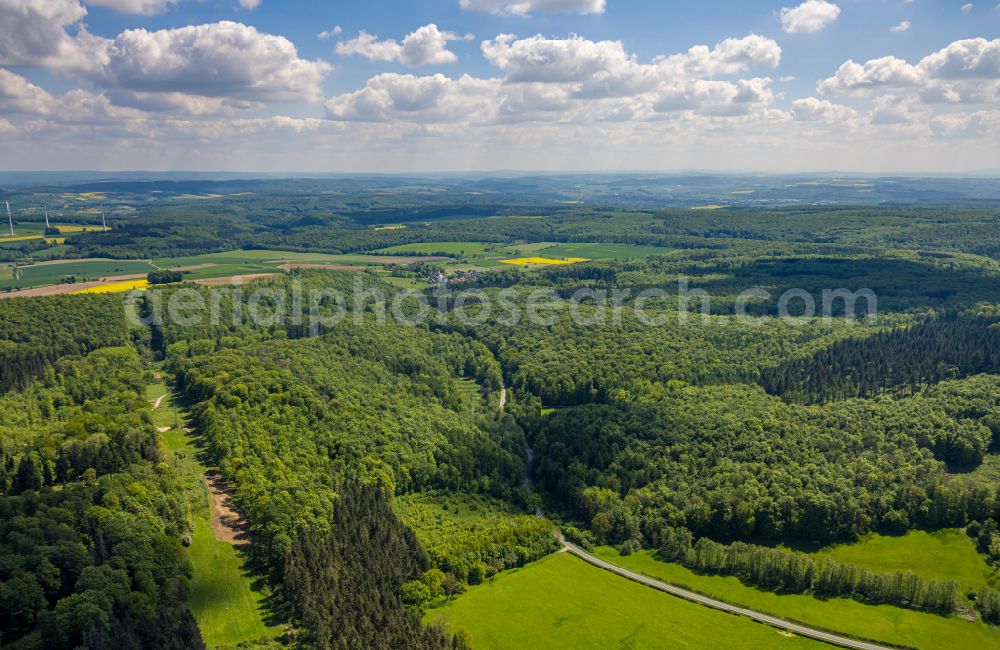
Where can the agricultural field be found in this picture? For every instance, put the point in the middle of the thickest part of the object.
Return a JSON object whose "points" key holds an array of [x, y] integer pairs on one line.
{"points": [[82, 270], [885, 623], [544, 261], [561, 601], [117, 287]]}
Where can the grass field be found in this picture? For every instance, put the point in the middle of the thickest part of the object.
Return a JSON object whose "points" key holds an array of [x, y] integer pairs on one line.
{"points": [[228, 609], [562, 602], [878, 622], [940, 555], [603, 251], [467, 249]]}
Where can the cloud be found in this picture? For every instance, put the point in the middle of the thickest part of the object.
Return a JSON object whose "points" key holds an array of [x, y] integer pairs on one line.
{"points": [[556, 60], [572, 80], [892, 110], [604, 68], [134, 6], [526, 7], [901, 27], [811, 109], [966, 125], [887, 71], [250, 5], [224, 59], [330, 33], [426, 46], [437, 98], [175, 103], [810, 16], [716, 98], [967, 8], [973, 58], [18, 95], [33, 33], [965, 71], [730, 56]]}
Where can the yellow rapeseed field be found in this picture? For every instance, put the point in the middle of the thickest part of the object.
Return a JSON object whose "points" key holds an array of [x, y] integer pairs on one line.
{"points": [[116, 287], [19, 238], [524, 261]]}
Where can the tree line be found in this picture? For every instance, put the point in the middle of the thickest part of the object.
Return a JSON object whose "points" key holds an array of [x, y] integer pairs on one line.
{"points": [[787, 571]]}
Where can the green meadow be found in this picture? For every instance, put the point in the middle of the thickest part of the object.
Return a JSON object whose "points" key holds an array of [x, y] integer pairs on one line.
{"points": [[941, 555], [222, 595], [883, 623], [561, 601]]}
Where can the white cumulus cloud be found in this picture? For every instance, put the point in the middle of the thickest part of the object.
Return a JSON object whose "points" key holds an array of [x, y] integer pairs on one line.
{"points": [[810, 16], [427, 45], [901, 27], [811, 109], [33, 33], [134, 6], [965, 71], [526, 7], [18, 95], [330, 33], [887, 71], [437, 98], [224, 59], [972, 58]]}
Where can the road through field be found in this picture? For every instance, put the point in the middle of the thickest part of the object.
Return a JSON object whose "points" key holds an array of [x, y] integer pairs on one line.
{"points": [[795, 628]]}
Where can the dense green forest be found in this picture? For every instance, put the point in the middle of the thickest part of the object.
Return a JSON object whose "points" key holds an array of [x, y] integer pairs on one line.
{"points": [[730, 462], [383, 468], [902, 359], [91, 519], [35, 333]]}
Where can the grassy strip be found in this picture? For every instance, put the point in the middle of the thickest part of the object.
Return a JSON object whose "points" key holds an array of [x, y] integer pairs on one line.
{"points": [[223, 598]]}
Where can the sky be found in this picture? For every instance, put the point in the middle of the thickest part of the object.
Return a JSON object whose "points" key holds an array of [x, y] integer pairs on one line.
{"points": [[882, 86]]}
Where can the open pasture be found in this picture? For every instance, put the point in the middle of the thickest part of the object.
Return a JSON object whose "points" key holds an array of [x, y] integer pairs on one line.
{"points": [[561, 601]]}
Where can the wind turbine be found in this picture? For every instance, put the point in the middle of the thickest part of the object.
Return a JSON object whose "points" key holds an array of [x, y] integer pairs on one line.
{"points": [[104, 222], [10, 219], [46, 206]]}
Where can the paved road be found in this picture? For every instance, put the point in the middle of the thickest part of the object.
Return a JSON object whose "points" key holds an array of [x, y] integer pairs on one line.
{"points": [[801, 630]]}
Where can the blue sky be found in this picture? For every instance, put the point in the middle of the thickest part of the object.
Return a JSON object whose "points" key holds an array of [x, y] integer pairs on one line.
{"points": [[852, 85]]}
